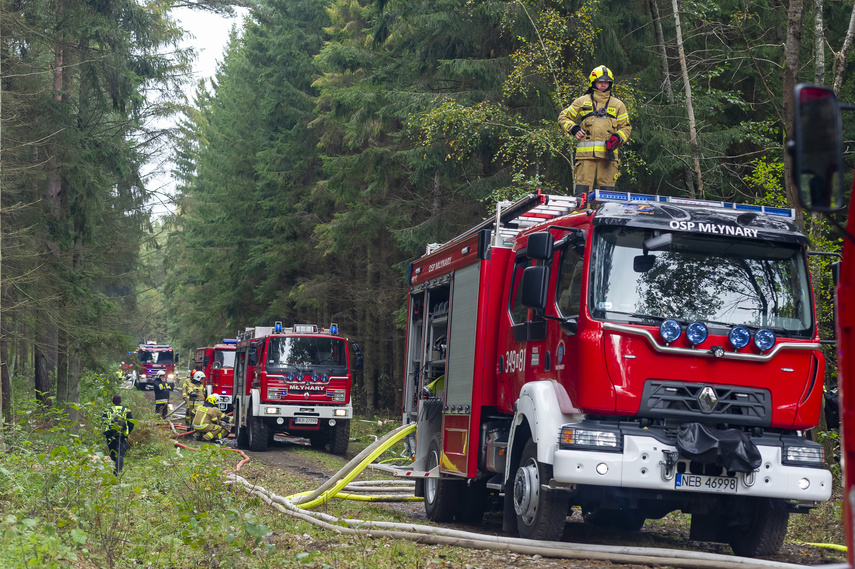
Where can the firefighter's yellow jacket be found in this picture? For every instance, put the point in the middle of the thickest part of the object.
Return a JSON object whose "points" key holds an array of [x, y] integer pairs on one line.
{"points": [[208, 417], [601, 115], [189, 387]]}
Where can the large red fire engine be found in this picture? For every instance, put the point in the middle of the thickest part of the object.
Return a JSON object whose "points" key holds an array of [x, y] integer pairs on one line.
{"points": [[297, 381], [218, 364], [633, 355], [152, 358], [818, 171]]}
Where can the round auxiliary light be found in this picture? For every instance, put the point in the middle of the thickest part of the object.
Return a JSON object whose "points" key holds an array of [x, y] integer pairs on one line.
{"points": [[764, 339], [670, 330], [739, 337], [314, 378], [696, 333]]}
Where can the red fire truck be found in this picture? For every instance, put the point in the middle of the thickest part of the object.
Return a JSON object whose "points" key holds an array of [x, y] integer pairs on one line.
{"points": [[296, 381], [817, 149], [152, 358], [631, 355], [218, 364]]}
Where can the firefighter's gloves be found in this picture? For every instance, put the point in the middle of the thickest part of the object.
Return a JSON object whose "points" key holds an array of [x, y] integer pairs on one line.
{"points": [[613, 142], [577, 131]]}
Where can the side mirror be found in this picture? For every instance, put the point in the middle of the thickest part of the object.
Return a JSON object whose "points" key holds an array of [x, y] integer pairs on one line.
{"points": [[643, 263], [535, 281], [253, 357], [539, 246], [176, 358], [358, 357], [817, 148]]}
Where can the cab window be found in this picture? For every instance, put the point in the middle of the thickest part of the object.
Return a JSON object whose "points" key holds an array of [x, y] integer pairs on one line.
{"points": [[568, 292]]}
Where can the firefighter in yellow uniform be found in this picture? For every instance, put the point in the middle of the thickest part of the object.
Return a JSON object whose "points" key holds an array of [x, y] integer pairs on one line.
{"points": [[600, 124], [210, 422], [193, 391]]}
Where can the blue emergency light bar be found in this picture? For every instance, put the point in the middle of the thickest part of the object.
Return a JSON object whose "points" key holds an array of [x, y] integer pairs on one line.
{"points": [[229, 341], [600, 196]]}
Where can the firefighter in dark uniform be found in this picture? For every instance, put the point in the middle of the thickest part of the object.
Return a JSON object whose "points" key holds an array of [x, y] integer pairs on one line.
{"points": [[210, 423], [118, 424], [161, 394], [600, 124]]}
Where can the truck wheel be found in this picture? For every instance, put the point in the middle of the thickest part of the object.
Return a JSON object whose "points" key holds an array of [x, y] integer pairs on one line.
{"points": [[441, 495], [242, 436], [539, 515], [763, 531], [258, 435], [340, 437]]}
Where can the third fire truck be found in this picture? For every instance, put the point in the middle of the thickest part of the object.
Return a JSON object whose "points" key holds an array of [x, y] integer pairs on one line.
{"points": [[218, 364], [631, 356], [152, 358], [296, 381]]}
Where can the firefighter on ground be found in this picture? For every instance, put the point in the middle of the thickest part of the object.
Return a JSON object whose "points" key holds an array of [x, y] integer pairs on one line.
{"points": [[209, 422], [118, 424], [600, 123], [193, 392], [161, 394]]}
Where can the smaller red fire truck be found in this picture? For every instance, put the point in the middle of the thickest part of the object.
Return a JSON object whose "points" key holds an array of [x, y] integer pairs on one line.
{"points": [[818, 171], [296, 381], [152, 358], [218, 364]]}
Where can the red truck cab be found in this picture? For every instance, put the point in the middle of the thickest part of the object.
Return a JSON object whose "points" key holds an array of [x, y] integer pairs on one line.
{"points": [[218, 363]]}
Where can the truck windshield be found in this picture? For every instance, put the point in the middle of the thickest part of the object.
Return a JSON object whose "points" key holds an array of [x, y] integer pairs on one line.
{"points": [[301, 352], [720, 281], [151, 357], [226, 358]]}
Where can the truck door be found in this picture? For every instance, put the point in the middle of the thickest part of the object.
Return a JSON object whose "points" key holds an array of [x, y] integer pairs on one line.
{"points": [[563, 342], [521, 360]]}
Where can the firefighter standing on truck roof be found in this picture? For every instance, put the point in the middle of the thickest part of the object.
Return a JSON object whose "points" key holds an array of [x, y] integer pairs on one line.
{"points": [[193, 392], [209, 421], [603, 125], [161, 394]]}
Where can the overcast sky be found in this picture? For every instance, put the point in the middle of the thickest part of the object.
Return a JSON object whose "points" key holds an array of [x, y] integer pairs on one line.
{"points": [[209, 34]]}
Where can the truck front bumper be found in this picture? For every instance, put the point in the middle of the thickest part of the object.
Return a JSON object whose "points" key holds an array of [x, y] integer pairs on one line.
{"points": [[644, 464], [293, 411]]}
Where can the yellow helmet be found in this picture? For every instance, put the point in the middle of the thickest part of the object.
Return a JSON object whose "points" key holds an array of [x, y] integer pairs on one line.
{"points": [[602, 72], [212, 399]]}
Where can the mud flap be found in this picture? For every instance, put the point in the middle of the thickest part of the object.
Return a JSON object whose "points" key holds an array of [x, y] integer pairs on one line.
{"points": [[731, 449]]}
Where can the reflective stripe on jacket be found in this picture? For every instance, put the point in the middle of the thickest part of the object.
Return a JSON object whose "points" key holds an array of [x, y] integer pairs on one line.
{"points": [[206, 417]]}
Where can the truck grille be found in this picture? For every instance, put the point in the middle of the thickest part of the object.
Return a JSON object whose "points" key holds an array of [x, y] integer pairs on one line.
{"points": [[706, 402]]}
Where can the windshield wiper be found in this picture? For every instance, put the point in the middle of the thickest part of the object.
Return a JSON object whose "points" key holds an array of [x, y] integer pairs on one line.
{"points": [[644, 318]]}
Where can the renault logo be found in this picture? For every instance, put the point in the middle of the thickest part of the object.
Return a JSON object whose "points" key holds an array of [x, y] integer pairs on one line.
{"points": [[707, 399]]}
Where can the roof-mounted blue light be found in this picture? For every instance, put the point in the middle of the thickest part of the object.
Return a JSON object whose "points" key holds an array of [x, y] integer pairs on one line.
{"points": [[599, 196], [278, 326], [334, 329], [739, 337], [229, 341], [764, 339], [696, 333], [670, 330]]}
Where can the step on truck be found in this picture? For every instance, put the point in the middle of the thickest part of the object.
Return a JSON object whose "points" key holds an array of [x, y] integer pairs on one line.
{"points": [[218, 364], [152, 358], [296, 381], [630, 355]]}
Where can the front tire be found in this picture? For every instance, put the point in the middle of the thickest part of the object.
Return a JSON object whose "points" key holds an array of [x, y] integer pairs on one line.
{"points": [[241, 435], [441, 495], [259, 436], [340, 438], [539, 515], [764, 530]]}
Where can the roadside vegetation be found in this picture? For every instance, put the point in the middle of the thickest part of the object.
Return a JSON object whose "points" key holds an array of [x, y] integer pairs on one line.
{"points": [[63, 507]]}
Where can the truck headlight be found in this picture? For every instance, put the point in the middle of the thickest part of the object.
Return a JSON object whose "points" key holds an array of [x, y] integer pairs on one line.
{"points": [[589, 439], [804, 455]]}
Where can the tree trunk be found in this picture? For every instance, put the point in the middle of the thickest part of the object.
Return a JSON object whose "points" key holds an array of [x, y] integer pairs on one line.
{"points": [[42, 380], [693, 134], [795, 17], [663, 55], [62, 370], [819, 43], [841, 56], [5, 380]]}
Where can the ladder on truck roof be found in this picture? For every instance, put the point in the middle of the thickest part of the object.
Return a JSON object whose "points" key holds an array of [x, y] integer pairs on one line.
{"points": [[513, 217]]}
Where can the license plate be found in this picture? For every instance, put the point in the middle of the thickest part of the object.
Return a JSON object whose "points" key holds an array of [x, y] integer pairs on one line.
{"points": [[305, 421], [700, 483]]}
